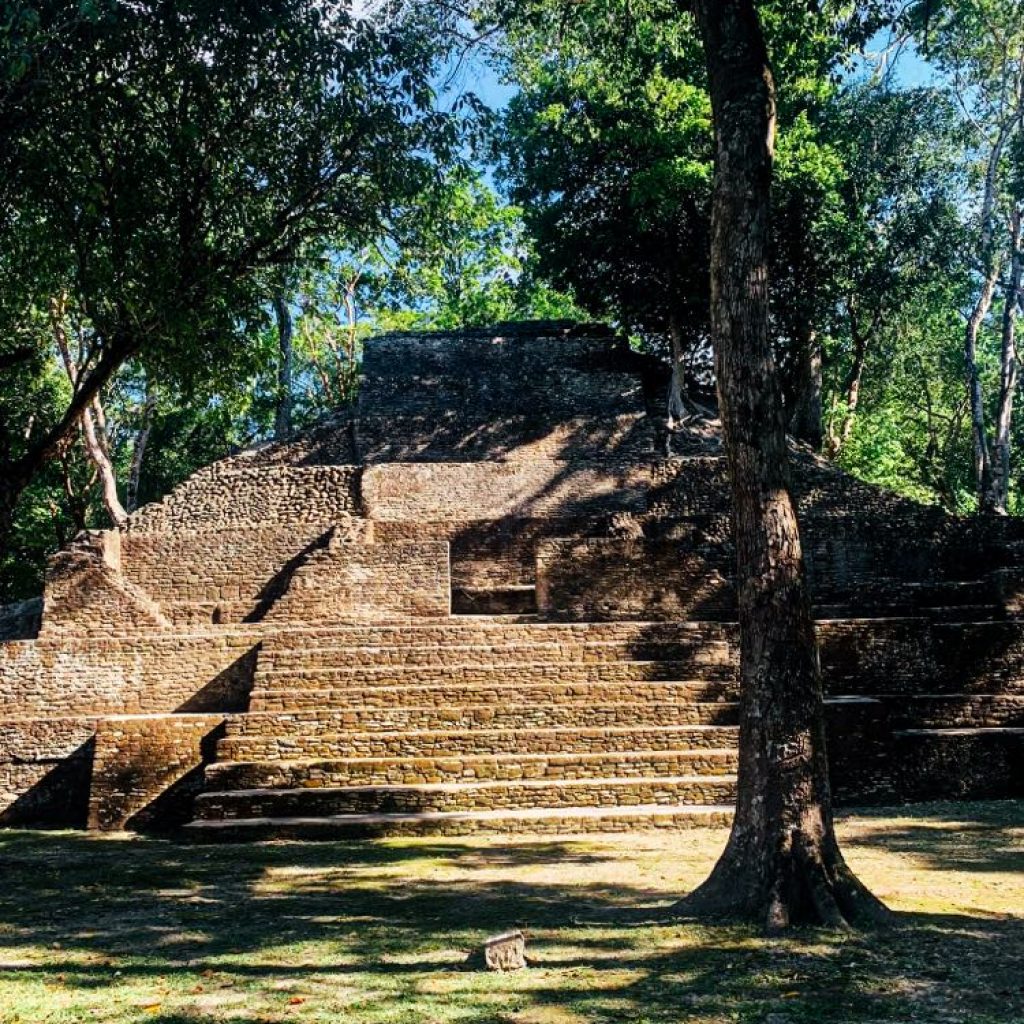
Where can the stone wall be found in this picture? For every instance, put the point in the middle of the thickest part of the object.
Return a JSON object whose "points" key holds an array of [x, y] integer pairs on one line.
{"points": [[596, 579], [489, 553], [495, 490], [228, 494], [55, 694], [222, 575], [45, 765], [86, 591], [126, 675], [445, 436], [368, 582], [147, 769]]}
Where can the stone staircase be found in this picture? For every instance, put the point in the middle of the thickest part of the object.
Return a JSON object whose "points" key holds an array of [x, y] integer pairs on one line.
{"points": [[482, 724]]}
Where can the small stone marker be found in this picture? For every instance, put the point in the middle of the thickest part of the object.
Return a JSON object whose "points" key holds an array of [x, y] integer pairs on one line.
{"points": [[505, 952]]}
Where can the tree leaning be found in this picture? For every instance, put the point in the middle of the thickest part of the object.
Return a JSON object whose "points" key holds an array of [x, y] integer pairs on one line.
{"points": [[782, 864]]}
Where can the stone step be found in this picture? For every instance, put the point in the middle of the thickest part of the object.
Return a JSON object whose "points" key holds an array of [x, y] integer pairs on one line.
{"points": [[697, 653], [484, 676], [849, 611], [482, 716], [444, 743], [290, 698], [504, 767], [459, 629], [506, 600], [937, 711], [987, 612], [534, 821], [448, 797], [960, 763]]}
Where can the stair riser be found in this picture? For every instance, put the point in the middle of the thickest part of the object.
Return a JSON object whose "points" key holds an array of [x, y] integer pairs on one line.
{"points": [[335, 829], [473, 631], [441, 744], [497, 716], [452, 696], [959, 713], [497, 654], [406, 771], [524, 674], [960, 766], [317, 803]]}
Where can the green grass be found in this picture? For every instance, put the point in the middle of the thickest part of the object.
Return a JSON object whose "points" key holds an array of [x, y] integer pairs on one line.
{"points": [[133, 929]]}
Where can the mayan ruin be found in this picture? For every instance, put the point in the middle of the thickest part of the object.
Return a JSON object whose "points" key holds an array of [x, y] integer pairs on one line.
{"points": [[489, 601]]}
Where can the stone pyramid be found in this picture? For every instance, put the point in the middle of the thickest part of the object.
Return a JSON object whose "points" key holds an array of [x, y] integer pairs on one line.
{"points": [[487, 599]]}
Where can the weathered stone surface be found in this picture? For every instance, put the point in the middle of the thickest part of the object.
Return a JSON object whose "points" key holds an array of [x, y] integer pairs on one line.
{"points": [[505, 952], [272, 648]]}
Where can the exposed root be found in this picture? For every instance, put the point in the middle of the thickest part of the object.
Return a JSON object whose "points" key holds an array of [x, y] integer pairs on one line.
{"points": [[807, 886]]}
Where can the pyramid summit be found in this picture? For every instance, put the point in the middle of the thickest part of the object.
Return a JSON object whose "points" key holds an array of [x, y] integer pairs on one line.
{"points": [[487, 599]]}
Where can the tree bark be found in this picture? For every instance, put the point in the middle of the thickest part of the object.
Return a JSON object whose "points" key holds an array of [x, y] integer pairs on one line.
{"points": [[979, 433], [782, 864], [283, 418], [998, 499], [17, 474]]}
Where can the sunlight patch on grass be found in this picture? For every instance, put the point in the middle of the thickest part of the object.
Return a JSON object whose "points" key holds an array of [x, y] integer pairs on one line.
{"points": [[120, 930]]}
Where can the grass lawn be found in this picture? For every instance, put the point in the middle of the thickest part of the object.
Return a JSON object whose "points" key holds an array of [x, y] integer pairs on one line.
{"points": [[137, 929]]}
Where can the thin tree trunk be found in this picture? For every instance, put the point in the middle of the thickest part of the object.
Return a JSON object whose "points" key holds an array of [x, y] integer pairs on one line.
{"points": [[139, 449], [17, 474], [92, 420], [283, 419], [782, 864], [677, 385], [853, 380], [979, 434], [805, 421], [1000, 486]]}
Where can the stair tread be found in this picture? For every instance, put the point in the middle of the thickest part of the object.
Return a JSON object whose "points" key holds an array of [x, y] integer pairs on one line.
{"points": [[512, 646], [360, 709], [497, 814], [496, 758], [414, 670], [274, 671], [976, 730], [455, 787], [543, 730]]}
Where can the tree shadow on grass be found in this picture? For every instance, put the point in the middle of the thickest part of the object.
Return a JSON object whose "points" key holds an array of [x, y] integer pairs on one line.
{"points": [[966, 837], [396, 920]]}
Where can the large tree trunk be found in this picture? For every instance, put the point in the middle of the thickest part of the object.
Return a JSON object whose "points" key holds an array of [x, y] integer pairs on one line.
{"points": [[1000, 483], [782, 864], [283, 419]]}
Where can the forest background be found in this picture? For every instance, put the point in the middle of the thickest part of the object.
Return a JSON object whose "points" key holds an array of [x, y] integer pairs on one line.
{"points": [[199, 229]]}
